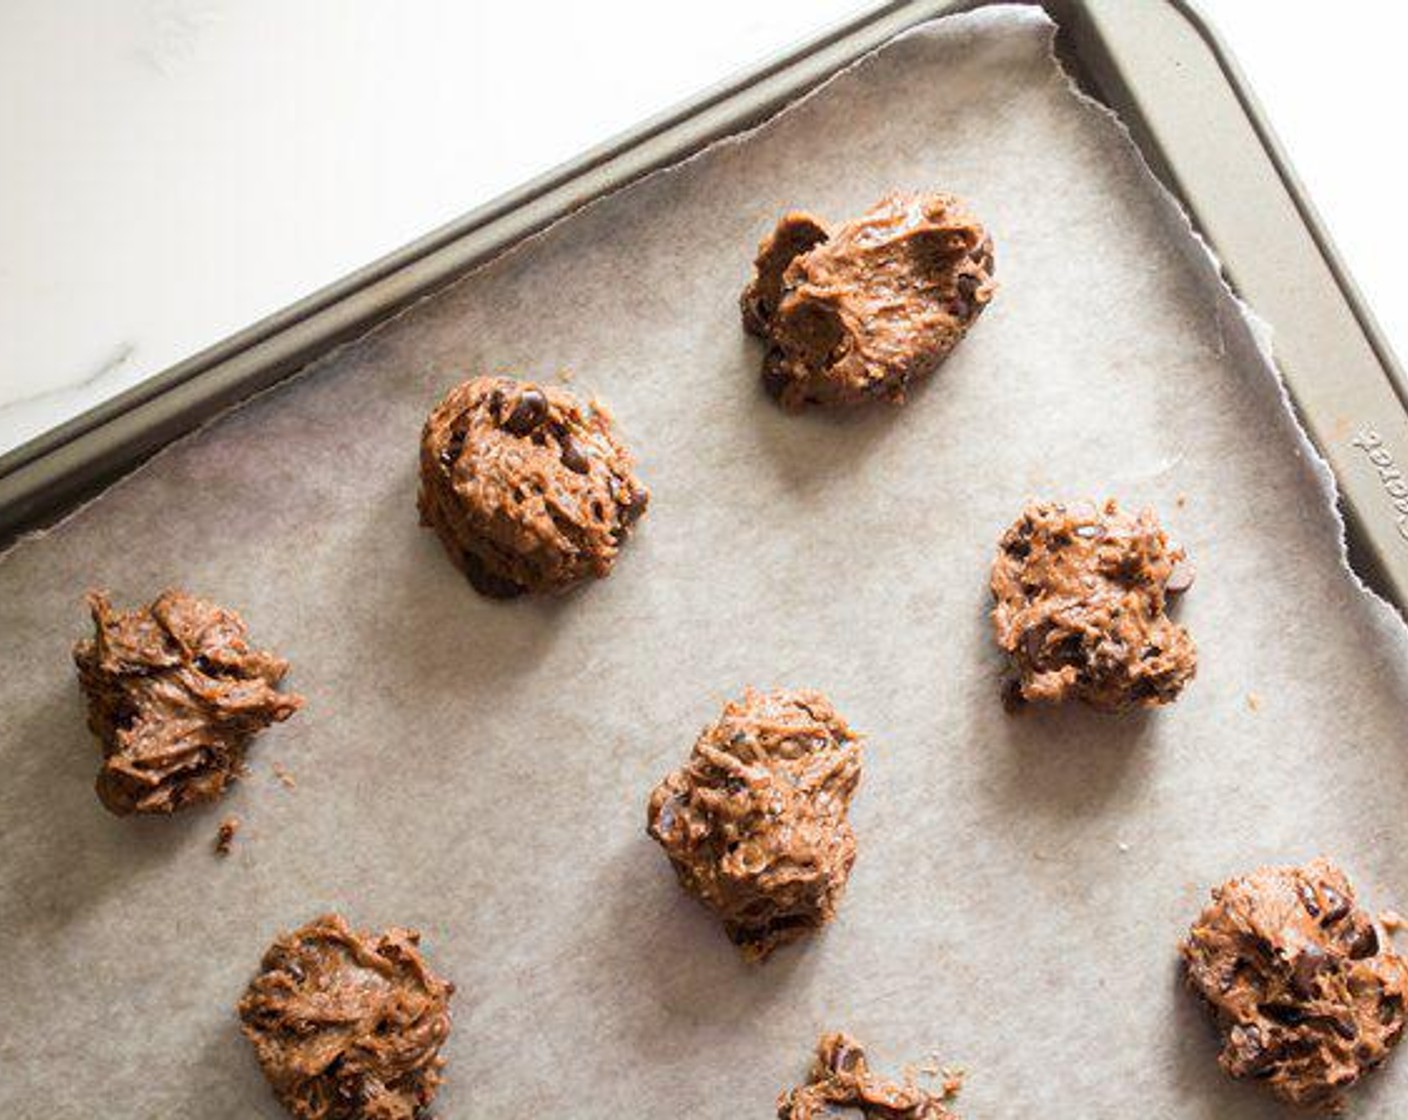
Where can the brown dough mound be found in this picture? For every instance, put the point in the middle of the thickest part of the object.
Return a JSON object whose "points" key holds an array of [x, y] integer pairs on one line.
{"points": [[861, 313], [1305, 989], [755, 823], [527, 489], [175, 694], [347, 1025], [1080, 599], [841, 1082]]}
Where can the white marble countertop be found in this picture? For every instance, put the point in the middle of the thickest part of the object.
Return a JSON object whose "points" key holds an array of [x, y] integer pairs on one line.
{"points": [[172, 170]]}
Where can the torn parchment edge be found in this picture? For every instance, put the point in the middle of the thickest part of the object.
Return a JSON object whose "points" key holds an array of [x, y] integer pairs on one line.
{"points": [[1237, 325], [1242, 332]]}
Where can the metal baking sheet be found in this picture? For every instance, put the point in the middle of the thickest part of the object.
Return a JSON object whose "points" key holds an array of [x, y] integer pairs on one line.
{"points": [[480, 770]]}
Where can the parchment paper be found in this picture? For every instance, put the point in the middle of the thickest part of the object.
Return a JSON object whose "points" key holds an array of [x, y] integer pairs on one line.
{"points": [[480, 770]]}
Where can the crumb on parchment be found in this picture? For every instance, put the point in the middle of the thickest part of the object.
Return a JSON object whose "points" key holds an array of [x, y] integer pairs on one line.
{"points": [[284, 777], [1254, 701], [841, 1081], [225, 835], [950, 1076]]}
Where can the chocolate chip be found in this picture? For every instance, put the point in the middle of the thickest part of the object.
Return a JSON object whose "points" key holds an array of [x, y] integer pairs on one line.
{"points": [[1145, 688], [1180, 579], [530, 411], [1345, 1028], [1363, 942], [450, 453], [1287, 1014], [1034, 641], [846, 1058], [961, 305], [573, 457], [1390, 1010], [633, 509], [1338, 905], [1309, 900], [1306, 970], [489, 583], [1070, 650], [774, 380]]}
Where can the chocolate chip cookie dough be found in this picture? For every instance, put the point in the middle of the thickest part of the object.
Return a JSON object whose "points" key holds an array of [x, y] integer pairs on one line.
{"points": [[842, 1085], [755, 823], [527, 489], [1302, 983], [1081, 594], [175, 694], [348, 1025], [862, 312]]}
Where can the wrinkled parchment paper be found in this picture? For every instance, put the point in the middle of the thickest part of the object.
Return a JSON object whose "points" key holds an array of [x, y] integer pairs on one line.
{"points": [[480, 769]]}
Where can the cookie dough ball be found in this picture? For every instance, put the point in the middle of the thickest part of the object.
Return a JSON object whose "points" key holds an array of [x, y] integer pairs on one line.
{"points": [[175, 694], [841, 1083], [1303, 985], [348, 1025], [755, 823], [1080, 598], [862, 312], [527, 489]]}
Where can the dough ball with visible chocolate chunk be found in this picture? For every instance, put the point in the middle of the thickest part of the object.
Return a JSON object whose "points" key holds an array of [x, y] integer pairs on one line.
{"points": [[348, 1025], [1304, 986], [175, 694], [862, 312], [1081, 593], [527, 489], [756, 824], [842, 1085]]}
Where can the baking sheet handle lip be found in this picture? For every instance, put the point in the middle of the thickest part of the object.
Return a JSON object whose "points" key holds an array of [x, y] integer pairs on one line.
{"points": [[338, 291], [1256, 115]]}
